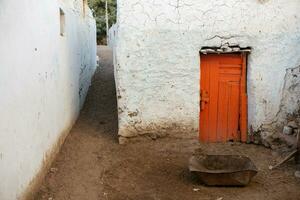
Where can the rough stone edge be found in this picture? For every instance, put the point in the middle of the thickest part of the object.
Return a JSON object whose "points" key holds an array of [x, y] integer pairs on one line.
{"points": [[273, 130], [34, 185]]}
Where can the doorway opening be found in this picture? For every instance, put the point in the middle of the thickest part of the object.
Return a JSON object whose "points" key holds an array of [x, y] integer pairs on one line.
{"points": [[223, 94]]}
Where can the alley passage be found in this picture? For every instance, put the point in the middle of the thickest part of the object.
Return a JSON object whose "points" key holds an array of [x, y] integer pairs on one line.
{"points": [[93, 166]]}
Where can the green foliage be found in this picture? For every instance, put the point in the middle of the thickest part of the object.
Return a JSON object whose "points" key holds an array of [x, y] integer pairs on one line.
{"points": [[98, 6]]}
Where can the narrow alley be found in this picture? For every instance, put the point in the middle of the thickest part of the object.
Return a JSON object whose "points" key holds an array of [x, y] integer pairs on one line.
{"points": [[93, 166], [149, 100]]}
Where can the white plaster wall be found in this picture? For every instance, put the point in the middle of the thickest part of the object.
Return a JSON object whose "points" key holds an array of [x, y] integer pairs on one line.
{"points": [[290, 103], [158, 45], [112, 36], [44, 78]]}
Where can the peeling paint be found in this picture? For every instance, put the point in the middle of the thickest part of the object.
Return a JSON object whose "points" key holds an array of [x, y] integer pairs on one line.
{"points": [[290, 99]]}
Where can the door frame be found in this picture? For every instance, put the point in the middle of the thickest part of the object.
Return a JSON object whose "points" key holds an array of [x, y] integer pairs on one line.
{"points": [[243, 113]]}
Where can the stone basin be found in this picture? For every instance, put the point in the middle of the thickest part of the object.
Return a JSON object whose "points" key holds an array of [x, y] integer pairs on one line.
{"points": [[223, 170]]}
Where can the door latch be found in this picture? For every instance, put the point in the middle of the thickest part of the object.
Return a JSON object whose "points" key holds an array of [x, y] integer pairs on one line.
{"points": [[204, 99]]}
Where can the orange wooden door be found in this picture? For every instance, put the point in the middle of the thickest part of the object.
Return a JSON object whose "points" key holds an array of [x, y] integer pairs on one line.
{"points": [[223, 107]]}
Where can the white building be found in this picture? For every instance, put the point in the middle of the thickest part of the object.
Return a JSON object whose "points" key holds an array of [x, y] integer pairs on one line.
{"points": [[47, 59], [158, 66]]}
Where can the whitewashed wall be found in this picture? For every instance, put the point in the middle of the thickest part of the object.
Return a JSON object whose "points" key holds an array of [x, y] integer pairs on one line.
{"points": [[157, 58], [112, 35], [44, 78]]}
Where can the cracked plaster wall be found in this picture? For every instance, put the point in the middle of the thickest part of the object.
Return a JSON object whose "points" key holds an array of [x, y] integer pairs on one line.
{"points": [[290, 101], [157, 57]]}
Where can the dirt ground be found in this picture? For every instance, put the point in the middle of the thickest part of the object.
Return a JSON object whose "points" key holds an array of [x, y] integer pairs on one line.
{"points": [[93, 166]]}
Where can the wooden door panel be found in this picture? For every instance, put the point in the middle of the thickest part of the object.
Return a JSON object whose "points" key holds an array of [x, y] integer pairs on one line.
{"points": [[233, 111], [204, 107], [213, 100], [223, 111], [221, 83]]}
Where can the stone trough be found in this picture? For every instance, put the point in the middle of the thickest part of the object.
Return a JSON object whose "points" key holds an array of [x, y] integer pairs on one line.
{"points": [[223, 170]]}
